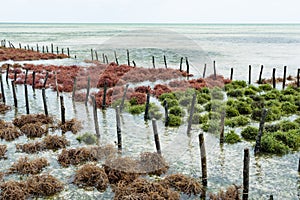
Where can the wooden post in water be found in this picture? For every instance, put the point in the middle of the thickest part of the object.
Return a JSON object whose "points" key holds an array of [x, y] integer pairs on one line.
{"points": [[68, 52], [33, 80], [260, 131], [249, 80], [128, 60], [187, 65], [26, 99], [156, 137], [119, 136], [74, 88], [165, 61], [15, 76], [146, 116], [222, 139], [106, 59], [62, 110], [191, 114], [260, 74], [204, 70], [299, 166], [203, 159], [20, 46], [231, 73], [134, 64], [116, 58], [62, 50], [52, 50], [298, 78], [43, 49], [37, 48], [47, 49], [56, 85], [2, 87], [274, 78], [7, 72], [123, 98], [46, 78], [271, 197], [87, 91], [103, 58], [153, 62], [284, 77], [95, 116], [44, 101], [215, 70], [104, 96], [246, 174], [28, 48], [92, 54], [57, 52], [96, 54], [31, 48], [166, 113], [14, 94], [180, 65]]}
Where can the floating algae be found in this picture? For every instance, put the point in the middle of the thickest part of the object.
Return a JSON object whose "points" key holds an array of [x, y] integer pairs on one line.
{"points": [[33, 130], [26, 166], [183, 184], [153, 163], [232, 193], [43, 185], [32, 118], [72, 125], [90, 175], [142, 189], [3, 150]]}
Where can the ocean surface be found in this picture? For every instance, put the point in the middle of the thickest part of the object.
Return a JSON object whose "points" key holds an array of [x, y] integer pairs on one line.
{"points": [[230, 45]]}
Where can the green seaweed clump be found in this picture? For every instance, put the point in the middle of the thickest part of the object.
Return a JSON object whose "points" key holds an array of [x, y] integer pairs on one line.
{"points": [[212, 126], [87, 138], [171, 102], [231, 111], [235, 85], [243, 107], [203, 98], [288, 108], [136, 109], [185, 101], [199, 119], [174, 120], [177, 111], [235, 93], [269, 144], [288, 125], [265, 87], [232, 137], [237, 121], [249, 133], [167, 96]]}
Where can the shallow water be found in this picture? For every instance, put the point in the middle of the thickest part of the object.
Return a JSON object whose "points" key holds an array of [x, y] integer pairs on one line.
{"points": [[276, 175]]}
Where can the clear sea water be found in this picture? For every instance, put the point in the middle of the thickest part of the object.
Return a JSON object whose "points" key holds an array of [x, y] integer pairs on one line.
{"points": [[236, 46]]}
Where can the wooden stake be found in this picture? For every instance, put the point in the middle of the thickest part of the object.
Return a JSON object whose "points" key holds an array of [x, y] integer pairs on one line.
{"points": [[57, 52], [153, 62], [44, 101], [62, 50], [231, 74], [260, 74], [96, 54], [123, 98], [2, 87], [187, 65], [52, 50], [46, 78], [165, 61], [284, 77], [33, 80], [26, 99], [104, 96], [7, 72], [14, 94], [249, 80], [95, 116], [26, 76], [47, 49], [260, 131], [15, 76], [68, 52], [74, 88], [134, 65], [87, 91], [156, 137], [246, 174], [204, 70], [43, 49], [274, 78], [203, 159], [92, 54], [128, 60], [271, 197], [62, 109], [189, 128], [299, 166], [119, 136], [103, 58], [116, 58], [146, 116], [180, 65], [56, 85], [298, 78], [215, 70], [166, 113], [20, 46], [106, 59]]}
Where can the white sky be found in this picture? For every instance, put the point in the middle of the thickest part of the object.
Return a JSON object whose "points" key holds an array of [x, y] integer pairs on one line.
{"points": [[151, 11]]}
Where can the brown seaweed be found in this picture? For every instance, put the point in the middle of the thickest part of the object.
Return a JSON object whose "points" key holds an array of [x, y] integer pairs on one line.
{"points": [[183, 184], [9, 133], [32, 118], [3, 150], [72, 125], [12, 190], [30, 147], [231, 193], [90, 175], [4, 108], [142, 189], [153, 163], [26, 166], [33, 130]]}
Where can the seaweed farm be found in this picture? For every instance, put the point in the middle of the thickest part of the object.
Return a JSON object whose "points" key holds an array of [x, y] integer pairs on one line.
{"points": [[109, 130]]}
